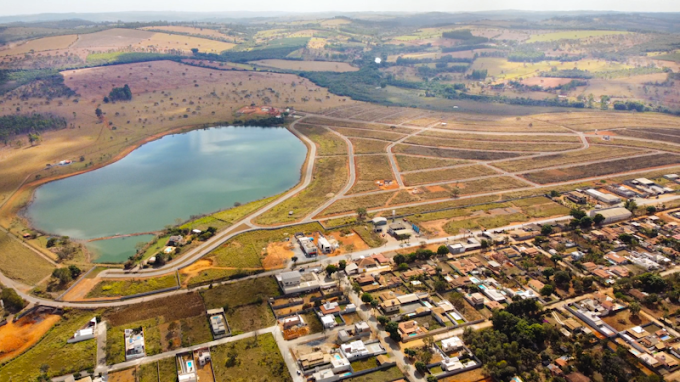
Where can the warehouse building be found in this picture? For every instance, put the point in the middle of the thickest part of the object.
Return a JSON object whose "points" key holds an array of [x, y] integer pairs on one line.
{"points": [[612, 215], [605, 198]]}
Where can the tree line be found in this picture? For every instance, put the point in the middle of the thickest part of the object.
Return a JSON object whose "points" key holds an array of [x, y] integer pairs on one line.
{"points": [[12, 125]]}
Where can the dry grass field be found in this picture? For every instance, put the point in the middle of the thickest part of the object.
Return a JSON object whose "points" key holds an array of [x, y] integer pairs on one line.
{"points": [[206, 32], [164, 42], [414, 163], [20, 263], [369, 146], [111, 39], [352, 203], [458, 173], [501, 138], [357, 125], [307, 66], [662, 135], [326, 142], [361, 133], [490, 123], [370, 169], [449, 153], [38, 45], [589, 121], [490, 145], [618, 142], [593, 153], [601, 169], [328, 178]]}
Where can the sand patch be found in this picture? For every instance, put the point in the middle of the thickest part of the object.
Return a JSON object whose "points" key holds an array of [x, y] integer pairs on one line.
{"points": [[277, 255], [348, 243], [435, 188], [80, 290], [16, 337], [435, 228]]}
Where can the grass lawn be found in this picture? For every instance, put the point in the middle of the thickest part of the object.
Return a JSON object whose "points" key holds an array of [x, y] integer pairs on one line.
{"points": [[115, 337], [155, 247], [111, 288], [245, 250], [391, 374], [329, 177], [327, 143], [148, 372], [251, 359], [364, 364], [20, 263], [52, 350]]}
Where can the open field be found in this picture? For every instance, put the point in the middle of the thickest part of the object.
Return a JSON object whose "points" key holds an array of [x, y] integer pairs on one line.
{"points": [[307, 66], [370, 169], [571, 35], [349, 132], [391, 374], [593, 153], [164, 42], [589, 121], [117, 288], [614, 141], [39, 45], [663, 135], [205, 32], [326, 142], [458, 173], [600, 169], [255, 359], [226, 217], [368, 146], [148, 372], [244, 302], [351, 204], [414, 163], [111, 38], [500, 183], [500, 68], [127, 375], [52, 350], [328, 178], [501, 138], [490, 123], [245, 250], [491, 145], [17, 337], [20, 263], [347, 112], [449, 153]]}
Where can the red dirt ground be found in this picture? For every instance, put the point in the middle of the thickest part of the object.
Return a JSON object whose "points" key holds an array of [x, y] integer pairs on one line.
{"points": [[16, 337]]}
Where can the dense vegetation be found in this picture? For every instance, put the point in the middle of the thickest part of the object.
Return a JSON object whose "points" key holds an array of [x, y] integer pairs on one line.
{"points": [[120, 94], [11, 125], [465, 35]]}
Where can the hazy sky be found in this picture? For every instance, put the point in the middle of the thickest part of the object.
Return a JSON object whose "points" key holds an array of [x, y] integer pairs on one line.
{"points": [[54, 6]]}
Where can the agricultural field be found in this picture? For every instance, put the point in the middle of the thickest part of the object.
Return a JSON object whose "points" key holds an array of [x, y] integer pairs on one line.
{"points": [[370, 169], [571, 35], [244, 303], [38, 45], [129, 287], [111, 39], [328, 178], [59, 357], [307, 66], [593, 153], [21, 263], [252, 359], [450, 153], [458, 173], [326, 142], [415, 163], [601, 169]]}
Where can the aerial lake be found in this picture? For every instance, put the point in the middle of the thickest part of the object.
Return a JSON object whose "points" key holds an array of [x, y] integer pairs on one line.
{"points": [[172, 178]]}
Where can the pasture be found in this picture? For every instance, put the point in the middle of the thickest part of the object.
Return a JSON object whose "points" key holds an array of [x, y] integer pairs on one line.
{"points": [[38, 45], [572, 35], [204, 32], [111, 39], [307, 66], [164, 42], [500, 68]]}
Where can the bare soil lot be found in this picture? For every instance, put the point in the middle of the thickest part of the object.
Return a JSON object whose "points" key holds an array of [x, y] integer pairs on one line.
{"points": [[16, 337]]}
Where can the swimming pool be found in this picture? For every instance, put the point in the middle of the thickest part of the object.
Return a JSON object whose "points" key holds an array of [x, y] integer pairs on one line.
{"points": [[482, 286]]}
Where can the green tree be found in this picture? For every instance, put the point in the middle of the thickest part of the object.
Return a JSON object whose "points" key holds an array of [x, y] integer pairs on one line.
{"points": [[98, 112], [562, 278], [403, 267], [546, 230], [13, 302], [598, 219], [383, 320], [634, 308], [421, 367], [651, 210], [366, 298], [63, 275], [547, 290], [330, 269], [411, 353], [631, 205], [393, 329], [361, 212], [442, 250], [194, 51], [586, 222], [577, 213], [554, 194], [399, 259], [342, 264]]}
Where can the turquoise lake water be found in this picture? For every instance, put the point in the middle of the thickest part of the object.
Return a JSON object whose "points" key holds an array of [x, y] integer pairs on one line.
{"points": [[172, 178]]}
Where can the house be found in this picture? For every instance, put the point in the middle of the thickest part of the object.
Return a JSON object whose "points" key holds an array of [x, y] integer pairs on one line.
{"points": [[620, 271], [86, 333], [639, 295], [590, 266], [289, 279], [475, 299], [324, 245], [456, 248], [573, 325], [601, 273], [554, 369], [615, 259], [339, 363], [134, 344], [408, 328], [330, 308], [307, 246], [328, 321], [452, 344], [577, 197], [175, 241], [218, 322], [354, 349], [612, 215], [451, 364], [292, 321], [367, 264], [325, 375], [351, 269], [463, 266], [381, 259], [535, 285]]}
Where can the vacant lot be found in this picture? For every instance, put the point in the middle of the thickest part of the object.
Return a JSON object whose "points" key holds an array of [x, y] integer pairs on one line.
{"points": [[168, 309], [413, 163], [589, 121], [501, 138], [329, 177], [448, 153], [356, 125], [365, 201], [369, 146], [20, 263], [458, 173], [616, 141], [148, 372], [245, 251], [16, 337], [256, 359], [39, 45], [308, 66], [490, 145], [371, 168], [118, 288], [53, 351], [361, 133], [327, 143], [593, 153], [600, 169], [391, 374], [663, 135]]}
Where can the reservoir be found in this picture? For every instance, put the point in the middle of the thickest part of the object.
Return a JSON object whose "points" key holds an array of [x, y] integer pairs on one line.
{"points": [[167, 180]]}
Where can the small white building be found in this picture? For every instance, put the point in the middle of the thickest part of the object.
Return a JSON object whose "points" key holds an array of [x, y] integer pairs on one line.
{"points": [[86, 333], [339, 363], [451, 364], [456, 248], [601, 196], [452, 344], [354, 349], [324, 245], [328, 321]]}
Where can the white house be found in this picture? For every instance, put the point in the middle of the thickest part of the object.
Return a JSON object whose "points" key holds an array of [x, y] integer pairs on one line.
{"points": [[86, 333], [452, 344], [354, 349], [328, 321]]}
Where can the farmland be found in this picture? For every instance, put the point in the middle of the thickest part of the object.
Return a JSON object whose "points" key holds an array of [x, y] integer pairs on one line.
{"points": [[20, 262], [369, 170], [40, 45], [204, 32], [329, 177], [251, 359], [571, 35], [165, 42], [458, 173], [600, 169], [307, 66], [52, 350]]}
